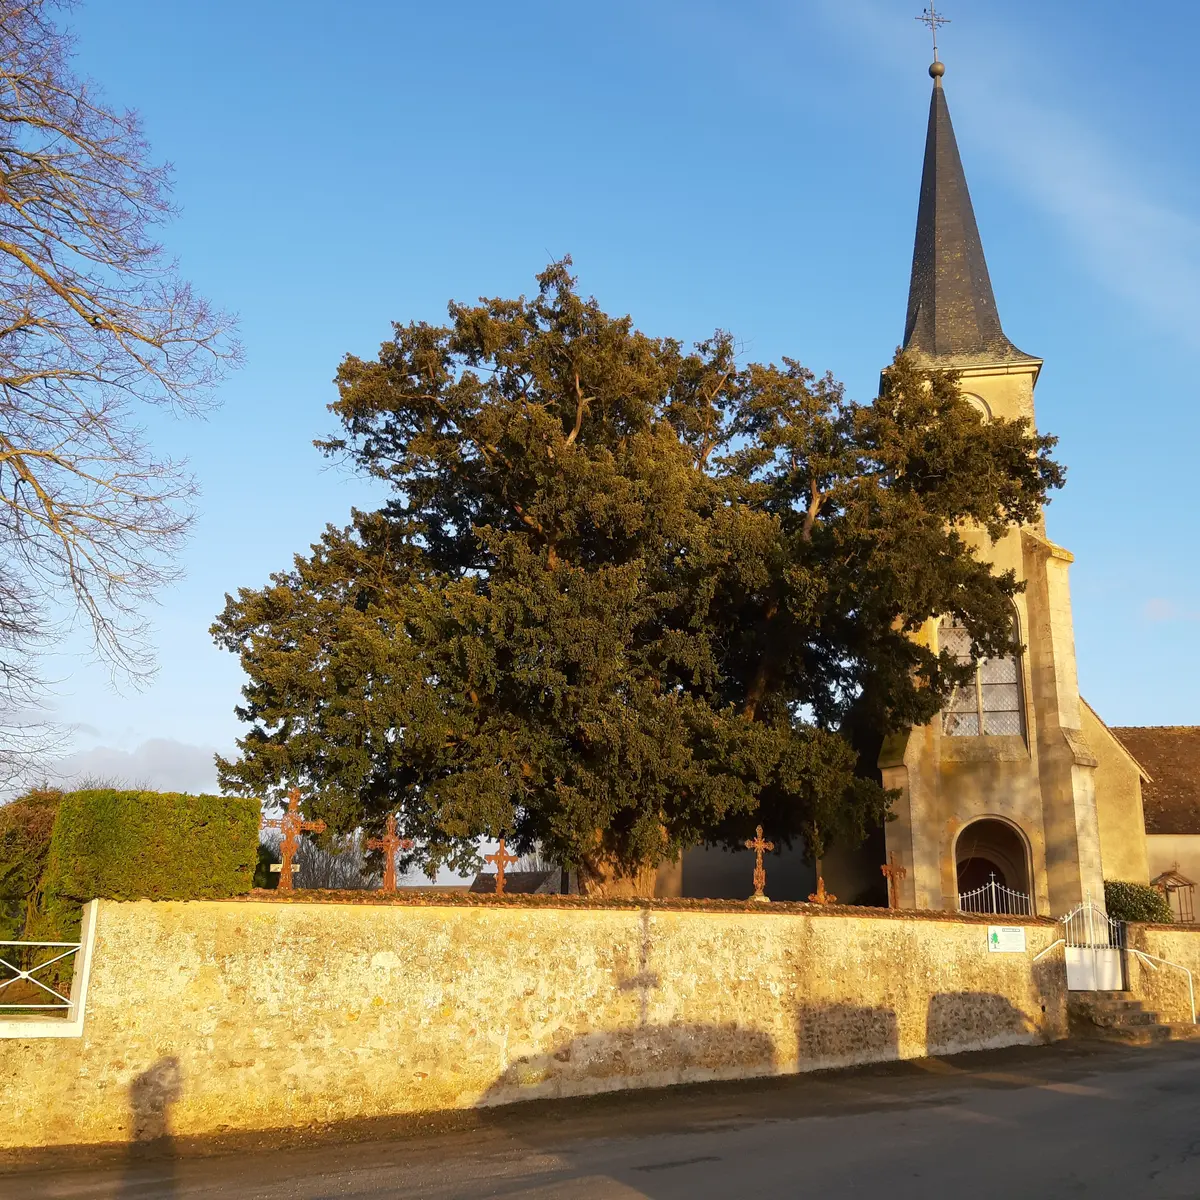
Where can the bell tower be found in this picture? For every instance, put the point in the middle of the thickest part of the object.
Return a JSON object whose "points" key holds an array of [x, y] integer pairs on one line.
{"points": [[1002, 783]]}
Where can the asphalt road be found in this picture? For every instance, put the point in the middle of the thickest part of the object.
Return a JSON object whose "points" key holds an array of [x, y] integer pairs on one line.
{"points": [[1076, 1119]]}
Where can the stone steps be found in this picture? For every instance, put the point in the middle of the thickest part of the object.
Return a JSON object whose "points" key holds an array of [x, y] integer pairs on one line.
{"points": [[1118, 1017], [1143, 1035]]}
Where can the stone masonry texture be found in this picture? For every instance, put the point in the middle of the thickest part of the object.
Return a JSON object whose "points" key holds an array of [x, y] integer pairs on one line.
{"points": [[207, 1017]]}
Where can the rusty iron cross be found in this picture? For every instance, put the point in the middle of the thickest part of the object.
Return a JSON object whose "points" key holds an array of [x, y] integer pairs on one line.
{"points": [[291, 824], [501, 859], [758, 845], [893, 874], [389, 844], [933, 19], [821, 896]]}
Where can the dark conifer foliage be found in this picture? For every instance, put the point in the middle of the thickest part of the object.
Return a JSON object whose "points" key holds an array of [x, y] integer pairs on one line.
{"points": [[627, 597]]}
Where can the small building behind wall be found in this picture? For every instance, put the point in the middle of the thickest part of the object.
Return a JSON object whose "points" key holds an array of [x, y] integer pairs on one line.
{"points": [[1121, 777], [1170, 790]]}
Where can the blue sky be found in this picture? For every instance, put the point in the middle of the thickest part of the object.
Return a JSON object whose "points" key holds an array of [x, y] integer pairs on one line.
{"points": [[750, 165]]}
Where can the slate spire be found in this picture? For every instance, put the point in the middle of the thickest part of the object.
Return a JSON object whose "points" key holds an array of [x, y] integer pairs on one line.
{"points": [[952, 313]]}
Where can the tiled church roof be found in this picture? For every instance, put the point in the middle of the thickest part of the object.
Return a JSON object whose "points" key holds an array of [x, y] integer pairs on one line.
{"points": [[951, 307], [1171, 756]]}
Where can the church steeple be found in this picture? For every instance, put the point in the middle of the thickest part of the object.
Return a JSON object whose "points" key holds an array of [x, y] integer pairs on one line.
{"points": [[952, 313]]}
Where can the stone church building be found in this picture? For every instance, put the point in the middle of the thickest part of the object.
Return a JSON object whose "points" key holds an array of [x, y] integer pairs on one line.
{"points": [[1018, 780]]}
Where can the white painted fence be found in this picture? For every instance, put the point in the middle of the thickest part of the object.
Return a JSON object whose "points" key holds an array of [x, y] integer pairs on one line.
{"points": [[38, 1018]]}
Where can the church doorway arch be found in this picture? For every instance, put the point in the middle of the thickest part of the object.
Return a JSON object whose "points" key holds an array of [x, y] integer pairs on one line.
{"points": [[993, 851]]}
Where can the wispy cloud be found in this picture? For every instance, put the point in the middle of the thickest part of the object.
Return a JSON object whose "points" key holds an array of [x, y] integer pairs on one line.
{"points": [[160, 764], [1159, 610], [1111, 208]]}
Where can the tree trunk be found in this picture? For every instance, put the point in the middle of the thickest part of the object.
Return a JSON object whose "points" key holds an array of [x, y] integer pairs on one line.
{"points": [[602, 875]]}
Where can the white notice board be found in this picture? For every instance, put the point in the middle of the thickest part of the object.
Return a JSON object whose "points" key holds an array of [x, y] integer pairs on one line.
{"points": [[1006, 939]]}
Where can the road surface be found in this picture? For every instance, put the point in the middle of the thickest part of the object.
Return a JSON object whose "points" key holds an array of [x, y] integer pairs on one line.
{"points": [[1076, 1119]]}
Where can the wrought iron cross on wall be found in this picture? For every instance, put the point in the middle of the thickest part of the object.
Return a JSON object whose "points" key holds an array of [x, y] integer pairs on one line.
{"points": [[291, 824], [501, 859], [758, 845], [893, 874], [389, 844]]}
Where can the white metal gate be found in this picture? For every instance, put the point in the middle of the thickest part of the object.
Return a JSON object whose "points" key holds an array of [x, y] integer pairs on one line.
{"points": [[1095, 949], [994, 897]]}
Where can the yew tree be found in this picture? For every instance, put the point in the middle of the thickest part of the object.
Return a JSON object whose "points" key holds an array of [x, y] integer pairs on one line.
{"points": [[626, 596]]}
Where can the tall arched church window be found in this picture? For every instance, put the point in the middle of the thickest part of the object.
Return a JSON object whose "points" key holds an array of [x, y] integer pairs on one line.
{"points": [[991, 702]]}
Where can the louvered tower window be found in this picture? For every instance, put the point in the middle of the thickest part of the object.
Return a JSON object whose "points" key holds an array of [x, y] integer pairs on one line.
{"points": [[991, 702]]}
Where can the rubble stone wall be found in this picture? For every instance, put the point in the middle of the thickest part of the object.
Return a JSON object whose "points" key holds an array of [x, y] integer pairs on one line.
{"points": [[209, 1017]]}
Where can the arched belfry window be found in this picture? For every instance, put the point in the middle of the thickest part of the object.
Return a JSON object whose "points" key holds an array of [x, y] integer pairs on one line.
{"points": [[979, 404], [990, 703]]}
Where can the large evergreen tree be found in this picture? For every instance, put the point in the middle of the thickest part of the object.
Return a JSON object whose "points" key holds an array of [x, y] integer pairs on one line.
{"points": [[626, 597]]}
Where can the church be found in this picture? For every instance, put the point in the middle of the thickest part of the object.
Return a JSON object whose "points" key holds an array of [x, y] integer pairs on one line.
{"points": [[1018, 798]]}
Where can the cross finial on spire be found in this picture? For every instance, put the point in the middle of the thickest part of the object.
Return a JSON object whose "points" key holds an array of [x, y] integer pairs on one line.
{"points": [[933, 19]]}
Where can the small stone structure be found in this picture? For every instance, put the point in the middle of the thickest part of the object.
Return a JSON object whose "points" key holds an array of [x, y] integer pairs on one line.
{"points": [[1168, 760], [273, 1012], [546, 882]]}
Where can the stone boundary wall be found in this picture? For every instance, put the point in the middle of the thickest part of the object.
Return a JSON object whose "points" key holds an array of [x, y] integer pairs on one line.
{"points": [[1160, 986], [209, 1017]]}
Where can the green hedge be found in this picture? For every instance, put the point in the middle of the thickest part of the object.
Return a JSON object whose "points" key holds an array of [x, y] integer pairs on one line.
{"points": [[120, 845], [152, 846], [1136, 902]]}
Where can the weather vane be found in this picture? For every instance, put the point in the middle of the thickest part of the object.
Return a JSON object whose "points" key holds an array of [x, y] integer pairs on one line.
{"points": [[931, 18]]}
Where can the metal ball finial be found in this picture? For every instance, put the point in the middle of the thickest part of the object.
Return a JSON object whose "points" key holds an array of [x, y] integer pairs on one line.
{"points": [[937, 70]]}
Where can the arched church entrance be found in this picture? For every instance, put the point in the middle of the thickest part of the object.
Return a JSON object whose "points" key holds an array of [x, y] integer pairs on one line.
{"points": [[991, 862]]}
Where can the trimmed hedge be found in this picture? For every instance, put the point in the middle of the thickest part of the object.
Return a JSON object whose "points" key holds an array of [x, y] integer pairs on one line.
{"points": [[117, 845], [152, 846], [1136, 902]]}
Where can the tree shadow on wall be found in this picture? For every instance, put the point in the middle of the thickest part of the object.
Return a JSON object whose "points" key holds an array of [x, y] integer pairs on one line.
{"points": [[956, 1022], [150, 1162], [642, 1056], [845, 1035], [652, 1056]]}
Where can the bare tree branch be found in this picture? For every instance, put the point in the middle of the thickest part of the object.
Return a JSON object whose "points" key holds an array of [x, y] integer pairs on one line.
{"points": [[95, 323], [816, 499], [581, 404]]}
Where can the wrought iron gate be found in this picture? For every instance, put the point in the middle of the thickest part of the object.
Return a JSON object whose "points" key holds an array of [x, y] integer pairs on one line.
{"points": [[994, 897], [1095, 949]]}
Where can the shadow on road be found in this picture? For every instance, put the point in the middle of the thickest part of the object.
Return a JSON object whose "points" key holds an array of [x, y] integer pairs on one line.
{"points": [[150, 1168]]}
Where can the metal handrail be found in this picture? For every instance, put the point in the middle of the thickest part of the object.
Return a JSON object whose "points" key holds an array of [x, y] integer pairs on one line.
{"points": [[1043, 953], [1166, 962]]}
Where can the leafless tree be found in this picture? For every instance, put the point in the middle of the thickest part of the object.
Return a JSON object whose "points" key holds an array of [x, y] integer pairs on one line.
{"points": [[535, 860], [26, 737], [338, 862], [341, 865], [95, 325]]}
